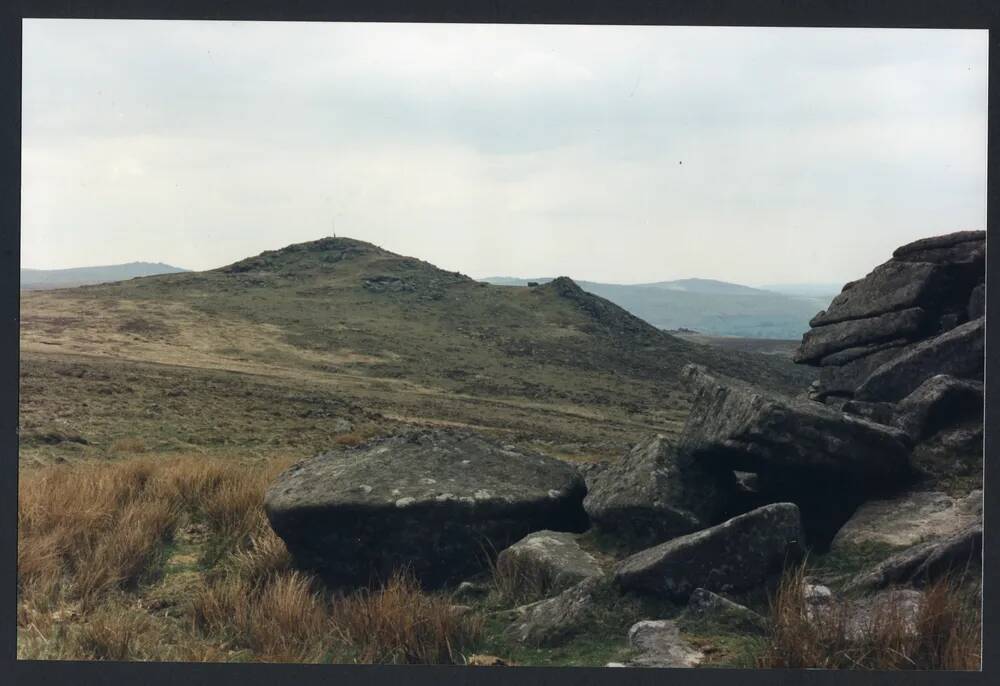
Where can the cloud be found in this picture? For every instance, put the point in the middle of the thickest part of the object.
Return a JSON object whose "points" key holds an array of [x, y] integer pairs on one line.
{"points": [[607, 153]]}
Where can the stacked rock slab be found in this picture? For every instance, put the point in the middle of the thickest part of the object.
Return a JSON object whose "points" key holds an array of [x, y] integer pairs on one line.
{"points": [[434, 502], [654, 494], [736, 555], [741, 427], [818, 457], [921, 310]]}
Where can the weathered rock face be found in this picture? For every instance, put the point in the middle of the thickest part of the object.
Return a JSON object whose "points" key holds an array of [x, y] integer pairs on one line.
{"points": [[953, 452], [959, 352], [741, 427], [960, 247], [929, 288], [658, 643], [890, 287], [841, 381], [938, 403], [941, 402], [851, 338], [925, 561], [555, 555], [551, 620], [735, 555], [654, 494], [909, 519], [433, 501]]}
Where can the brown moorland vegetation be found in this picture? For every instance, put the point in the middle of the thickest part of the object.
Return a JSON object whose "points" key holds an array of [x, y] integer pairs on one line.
{"points": [[108, 569], [943, 632]]}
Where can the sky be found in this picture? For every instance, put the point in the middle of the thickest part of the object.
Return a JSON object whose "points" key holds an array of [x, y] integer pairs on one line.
{"points": [[607, 153]]}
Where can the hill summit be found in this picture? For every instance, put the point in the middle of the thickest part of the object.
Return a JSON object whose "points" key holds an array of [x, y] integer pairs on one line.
{"points": [[310, 255]]}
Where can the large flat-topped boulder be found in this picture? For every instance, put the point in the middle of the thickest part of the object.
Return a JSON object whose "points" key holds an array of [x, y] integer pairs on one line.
{"points": [[435, 502], [742, 427], [959, 353], [960, 247], [653, 494], [736, 555]]}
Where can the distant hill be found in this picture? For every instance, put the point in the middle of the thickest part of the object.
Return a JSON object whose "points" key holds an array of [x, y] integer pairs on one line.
{"points": [[826, 291], [707, 286], [39, 279], [714, 308]]}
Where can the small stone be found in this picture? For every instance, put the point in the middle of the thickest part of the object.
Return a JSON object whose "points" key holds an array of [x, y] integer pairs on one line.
{"points": [[658, 643]]}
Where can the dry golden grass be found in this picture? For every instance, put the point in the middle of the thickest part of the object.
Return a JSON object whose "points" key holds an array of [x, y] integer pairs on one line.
{"points": [[84, 530], [398, 623], [95, 538], [279, 619], [943, 633]]}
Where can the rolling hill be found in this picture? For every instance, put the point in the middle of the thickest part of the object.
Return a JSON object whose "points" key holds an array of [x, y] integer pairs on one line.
{"points": [[37, 279], [294, 347], [710, 307]]}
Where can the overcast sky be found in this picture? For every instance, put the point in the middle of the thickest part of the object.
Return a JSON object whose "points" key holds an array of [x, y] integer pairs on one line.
{"points": [[619, 154]]}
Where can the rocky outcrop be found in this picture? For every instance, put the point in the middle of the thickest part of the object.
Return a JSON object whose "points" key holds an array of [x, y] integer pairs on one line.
{"points": [[735, 555], [925, 561], [958, 248], [658, 643], [909, 519], [654, 494], [853, 338], [739, 426], [929, 289], [938, 403], [431, 501], [959, 352], [890, 287], [554, 556], [953, 452]]}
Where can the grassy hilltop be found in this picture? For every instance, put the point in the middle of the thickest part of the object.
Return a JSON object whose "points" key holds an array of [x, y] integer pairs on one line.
{"points": [[320, 341]]}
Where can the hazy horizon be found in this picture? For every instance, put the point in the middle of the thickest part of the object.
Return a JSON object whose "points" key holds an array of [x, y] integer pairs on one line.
{"points": [[609, 154]]}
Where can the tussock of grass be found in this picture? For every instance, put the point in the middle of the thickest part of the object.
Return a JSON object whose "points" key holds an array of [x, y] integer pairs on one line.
{"points": [[516, 580], [282, 619], [399, 623], [944, 632], [89, 529]]}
